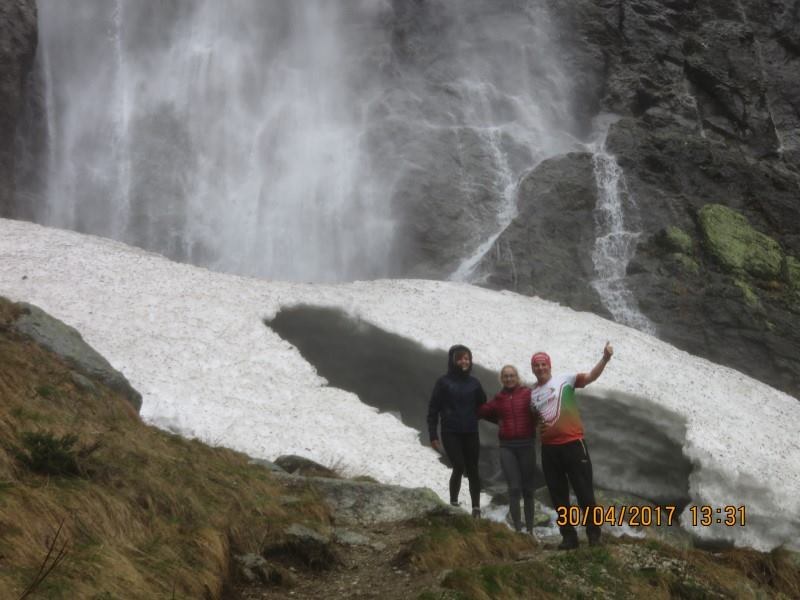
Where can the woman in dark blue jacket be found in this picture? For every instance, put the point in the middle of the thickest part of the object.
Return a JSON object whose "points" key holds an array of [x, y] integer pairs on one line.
{"points": [[455, 401]]}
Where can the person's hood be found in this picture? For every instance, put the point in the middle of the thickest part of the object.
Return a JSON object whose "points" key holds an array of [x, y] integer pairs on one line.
{"points": [[452, 368]]}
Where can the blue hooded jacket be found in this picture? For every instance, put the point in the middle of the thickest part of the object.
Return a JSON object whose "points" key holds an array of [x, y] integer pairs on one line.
{"points": [[455, 398]]}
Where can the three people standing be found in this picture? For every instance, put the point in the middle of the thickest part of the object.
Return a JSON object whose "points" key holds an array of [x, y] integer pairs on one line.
{"points": [[458, 400]]}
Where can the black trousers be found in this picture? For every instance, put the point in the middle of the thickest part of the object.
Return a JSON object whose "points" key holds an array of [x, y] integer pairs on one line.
{"points": [[518, 462], [463, 450], [565, 465]]}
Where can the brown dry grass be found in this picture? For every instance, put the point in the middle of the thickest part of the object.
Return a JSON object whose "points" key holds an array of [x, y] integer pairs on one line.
{"points": [[152, 515], [774, 571], [456, 541]]}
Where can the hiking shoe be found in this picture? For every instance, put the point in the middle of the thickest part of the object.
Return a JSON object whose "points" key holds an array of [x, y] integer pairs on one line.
{"points": [[453, 503], [568, 544], [476, 513], [595, 541]]}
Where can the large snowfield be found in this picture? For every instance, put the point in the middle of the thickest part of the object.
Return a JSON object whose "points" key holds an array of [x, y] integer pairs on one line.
{"points": [[194, 344]]}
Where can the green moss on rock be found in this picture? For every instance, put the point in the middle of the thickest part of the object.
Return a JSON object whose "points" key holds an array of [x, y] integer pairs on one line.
{"points": [[736, 245], [678, 240], [750, 297]]}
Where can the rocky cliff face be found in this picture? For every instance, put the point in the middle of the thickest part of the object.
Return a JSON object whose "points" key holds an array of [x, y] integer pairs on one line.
{"points": [[17, 51], [709, 142]]}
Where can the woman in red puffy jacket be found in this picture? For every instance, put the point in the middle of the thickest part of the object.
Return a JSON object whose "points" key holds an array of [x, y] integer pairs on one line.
{"points": [[510, 408]]}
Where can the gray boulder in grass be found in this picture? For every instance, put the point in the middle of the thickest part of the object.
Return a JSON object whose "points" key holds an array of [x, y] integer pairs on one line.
{"points": [[61, 339]]}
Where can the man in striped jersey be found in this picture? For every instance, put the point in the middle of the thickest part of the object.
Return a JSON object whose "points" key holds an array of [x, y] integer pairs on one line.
{"points": [[565, 457]]}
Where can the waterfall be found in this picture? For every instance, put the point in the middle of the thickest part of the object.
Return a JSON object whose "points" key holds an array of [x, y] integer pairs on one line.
{"points": [[614, 244], [226, 136], [288, 139], [120, 137]]}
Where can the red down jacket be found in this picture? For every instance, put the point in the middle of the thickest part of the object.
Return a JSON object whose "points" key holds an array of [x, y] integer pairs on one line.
{"points": [[512, 410]]}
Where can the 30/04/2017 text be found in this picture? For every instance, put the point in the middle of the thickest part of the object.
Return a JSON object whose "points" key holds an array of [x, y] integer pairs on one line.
{"points": [[645, 516]]}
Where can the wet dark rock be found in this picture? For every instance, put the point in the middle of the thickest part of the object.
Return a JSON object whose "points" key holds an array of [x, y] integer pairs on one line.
{"points": [[694, 292], [709, 106], [547, 249], [300, 544], [18, 33]]}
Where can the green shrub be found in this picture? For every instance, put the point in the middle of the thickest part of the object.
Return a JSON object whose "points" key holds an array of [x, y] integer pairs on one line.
{"points": [[45, 453], [46, 391]]}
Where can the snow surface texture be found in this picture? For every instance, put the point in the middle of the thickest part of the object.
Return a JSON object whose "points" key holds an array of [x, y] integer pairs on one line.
{"points": [[194, 344]]}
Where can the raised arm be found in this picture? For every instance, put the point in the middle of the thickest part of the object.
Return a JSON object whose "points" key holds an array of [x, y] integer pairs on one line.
{"points": [[584, 379]]}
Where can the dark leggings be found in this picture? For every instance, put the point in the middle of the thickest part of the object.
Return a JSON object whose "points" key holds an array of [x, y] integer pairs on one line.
{"points": [[518, 463], [463, 450], [565, 464]]}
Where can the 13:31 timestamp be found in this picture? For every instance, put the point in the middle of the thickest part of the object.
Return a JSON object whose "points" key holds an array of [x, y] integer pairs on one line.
{"points": [[705, 515]]}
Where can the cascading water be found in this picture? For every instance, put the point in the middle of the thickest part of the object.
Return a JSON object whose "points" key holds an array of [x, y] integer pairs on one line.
{"points": [[120, 137], [614, 245], [227, 136], [286, 139]]}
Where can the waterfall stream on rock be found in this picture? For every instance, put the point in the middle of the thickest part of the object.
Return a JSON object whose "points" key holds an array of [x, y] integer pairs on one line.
{"points": [[615, 245]]}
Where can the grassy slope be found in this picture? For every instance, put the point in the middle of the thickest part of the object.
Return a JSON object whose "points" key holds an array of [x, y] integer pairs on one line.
{"points": [[152, 515]]}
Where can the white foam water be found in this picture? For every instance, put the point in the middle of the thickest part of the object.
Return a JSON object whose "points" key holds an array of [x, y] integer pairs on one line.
{"points": [[269, 137], [615, 244]]}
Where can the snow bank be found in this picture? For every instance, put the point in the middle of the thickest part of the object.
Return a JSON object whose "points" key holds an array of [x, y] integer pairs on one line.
{"points": [[194, 344]]}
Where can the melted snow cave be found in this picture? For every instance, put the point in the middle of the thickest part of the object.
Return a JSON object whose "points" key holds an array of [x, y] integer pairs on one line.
{"points": [[635, 444]]}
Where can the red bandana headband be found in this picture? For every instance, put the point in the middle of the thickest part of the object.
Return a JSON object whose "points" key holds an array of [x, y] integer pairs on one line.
{"points": [[541, 356]]}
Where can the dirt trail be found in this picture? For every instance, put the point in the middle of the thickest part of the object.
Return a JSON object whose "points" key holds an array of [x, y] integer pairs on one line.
{"points": [[366, 570]]}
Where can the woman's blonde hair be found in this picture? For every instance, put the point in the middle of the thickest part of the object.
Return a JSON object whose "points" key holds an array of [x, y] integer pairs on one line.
{"points": [[513, 368]]}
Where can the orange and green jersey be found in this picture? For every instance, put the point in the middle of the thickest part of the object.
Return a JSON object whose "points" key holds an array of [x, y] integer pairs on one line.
{"points": [[555, 403]]}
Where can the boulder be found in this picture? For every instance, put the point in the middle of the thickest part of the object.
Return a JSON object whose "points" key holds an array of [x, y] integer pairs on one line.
{"points": [[366, 503], [736, 245], [299, 544], [547, 249], [66, 342]]}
